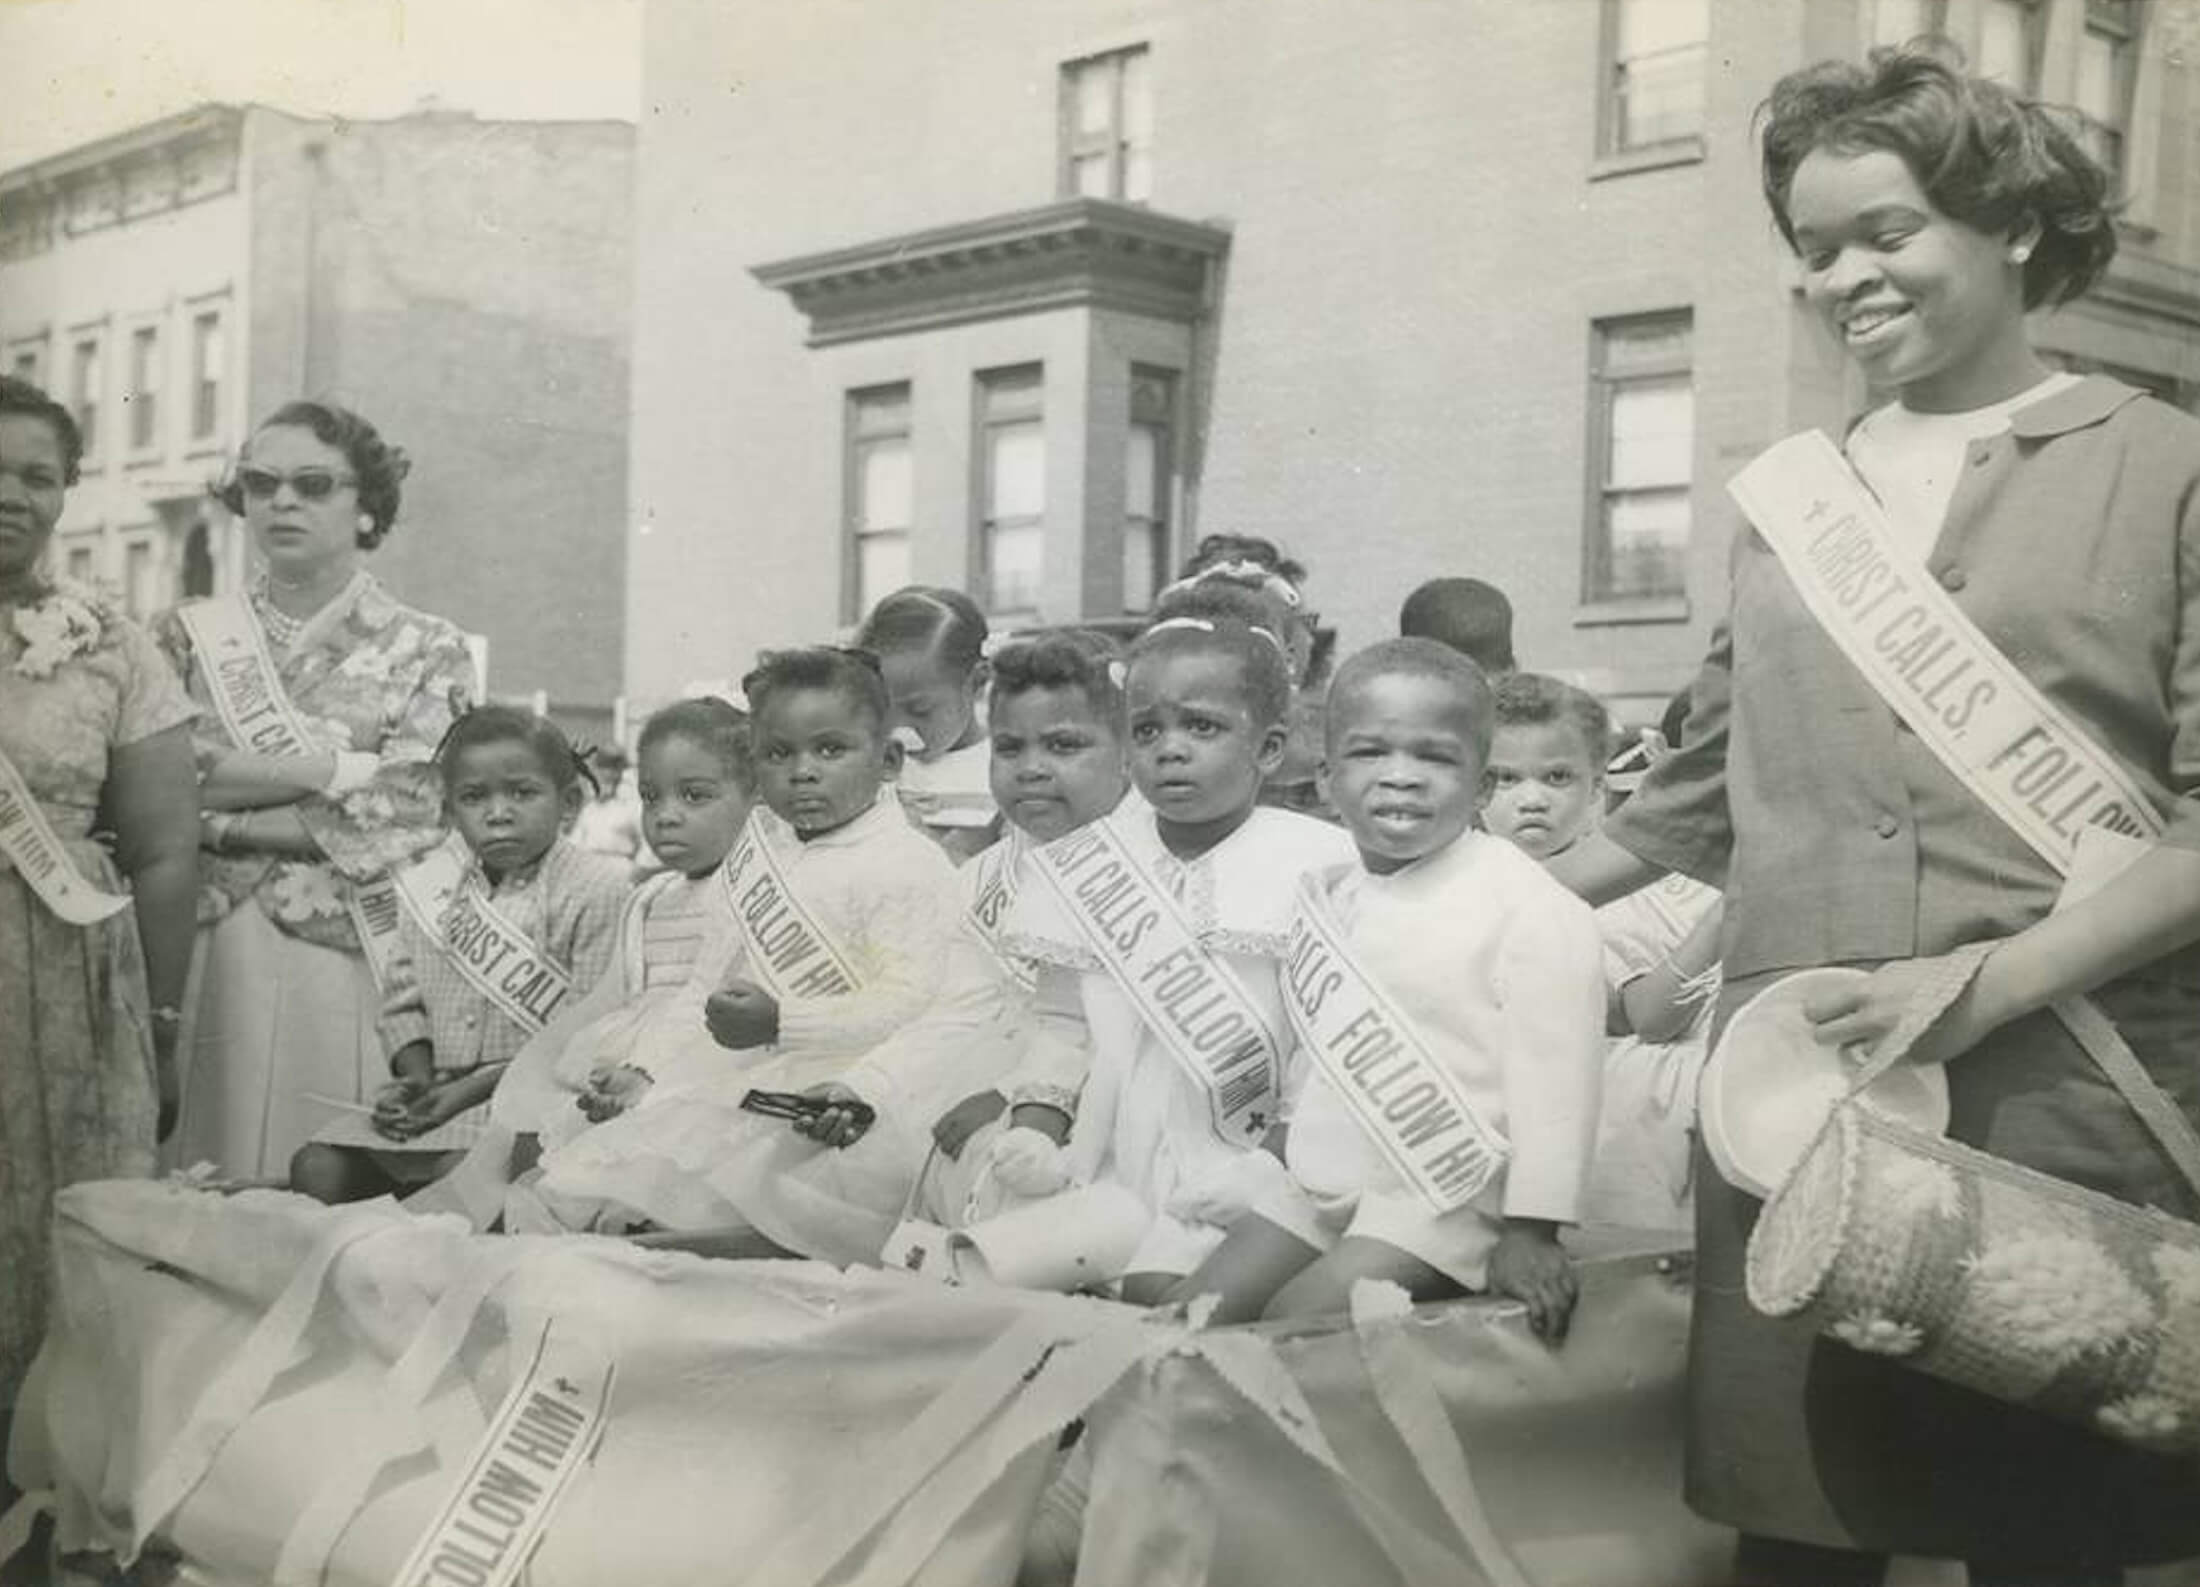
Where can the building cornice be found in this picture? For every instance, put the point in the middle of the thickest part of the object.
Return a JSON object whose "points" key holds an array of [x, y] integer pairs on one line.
{"points": [[1081, 252], [192, 124]]}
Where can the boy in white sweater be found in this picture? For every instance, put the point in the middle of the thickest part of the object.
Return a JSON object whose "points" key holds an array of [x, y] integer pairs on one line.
{"points": [[1447, 1000]]}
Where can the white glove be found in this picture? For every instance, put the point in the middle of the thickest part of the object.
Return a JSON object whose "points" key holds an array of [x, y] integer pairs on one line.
{"points": [[1026, 1163], [1227, 1191]]}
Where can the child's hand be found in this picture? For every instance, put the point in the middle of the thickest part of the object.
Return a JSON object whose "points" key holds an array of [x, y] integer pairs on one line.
{"points": [[436, 1105], [838, 1125], [1028, 1164], [742, 1014], [612, 1091], [1531, 1266], [965, 1119]]}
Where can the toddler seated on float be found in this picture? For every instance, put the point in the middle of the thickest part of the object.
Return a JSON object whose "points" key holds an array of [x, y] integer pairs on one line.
{"points": [[841, 916], [1661, 953], [1156, 1069], [696, 783], [1446, 1000], [494, 939]]}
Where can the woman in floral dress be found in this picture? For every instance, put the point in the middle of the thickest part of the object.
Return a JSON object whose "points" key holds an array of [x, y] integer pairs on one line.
{"points": [[284, 1017], [95, 728]]}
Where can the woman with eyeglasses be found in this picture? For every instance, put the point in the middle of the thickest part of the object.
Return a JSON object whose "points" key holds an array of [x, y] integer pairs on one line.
{"points": [[94, 735], [323, 700]]}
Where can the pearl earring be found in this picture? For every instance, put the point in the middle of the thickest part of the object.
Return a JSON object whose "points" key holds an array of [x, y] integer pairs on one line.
{"points": [[2020, 253]]}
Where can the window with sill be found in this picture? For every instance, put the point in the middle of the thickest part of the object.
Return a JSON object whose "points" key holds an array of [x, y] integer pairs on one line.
{"points": [[143, 396], [1149, 484], [1655, 53], [1107, 126], [2107, 68], [881, 495], [1641, 449], [1012, 488], [87, 379]]}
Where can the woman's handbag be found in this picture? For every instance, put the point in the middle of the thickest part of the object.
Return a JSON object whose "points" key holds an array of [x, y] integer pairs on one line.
{"points": [[1989, 1274]]}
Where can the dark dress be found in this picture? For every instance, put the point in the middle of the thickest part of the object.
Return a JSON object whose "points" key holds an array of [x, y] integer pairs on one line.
{"points": [[2072, 542]]}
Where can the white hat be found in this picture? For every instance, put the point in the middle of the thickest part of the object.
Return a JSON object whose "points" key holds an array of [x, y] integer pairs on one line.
{"points": [[1771, 1083]]}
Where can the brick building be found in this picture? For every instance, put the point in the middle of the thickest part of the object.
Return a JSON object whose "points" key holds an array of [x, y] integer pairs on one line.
{"points": [[1478, 286], [465, 284]]}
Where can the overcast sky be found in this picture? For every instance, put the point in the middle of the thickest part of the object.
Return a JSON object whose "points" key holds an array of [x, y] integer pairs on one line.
{"points": [[73, 70]]}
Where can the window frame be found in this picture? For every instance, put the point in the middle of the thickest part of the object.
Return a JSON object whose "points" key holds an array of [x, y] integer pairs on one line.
{"points": [[197, 313], [984, 523], [2035, 42], [1160, 524], [35, 349], [2122, 25], [1114, 142], [855, 444], [1608, 376], [142, 405], [1613, 149], [92, 429], [1935, 24]]}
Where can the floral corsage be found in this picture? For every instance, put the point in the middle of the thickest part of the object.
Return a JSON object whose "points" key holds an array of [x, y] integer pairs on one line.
{"points": [[66, 623]]}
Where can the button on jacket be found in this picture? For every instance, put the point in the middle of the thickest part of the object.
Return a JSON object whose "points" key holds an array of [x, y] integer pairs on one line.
{"points": [[2073, 542]]}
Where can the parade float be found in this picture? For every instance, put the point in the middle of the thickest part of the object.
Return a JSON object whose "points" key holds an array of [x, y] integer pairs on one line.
{"points": [[254, 1389]]}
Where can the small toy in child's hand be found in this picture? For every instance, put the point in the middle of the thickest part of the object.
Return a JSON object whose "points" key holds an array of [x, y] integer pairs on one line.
{"points": [[794, 1106], [612, 1091]]}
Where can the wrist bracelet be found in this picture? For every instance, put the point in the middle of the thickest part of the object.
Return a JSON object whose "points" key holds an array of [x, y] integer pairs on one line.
{"points": [[167, 1014]]}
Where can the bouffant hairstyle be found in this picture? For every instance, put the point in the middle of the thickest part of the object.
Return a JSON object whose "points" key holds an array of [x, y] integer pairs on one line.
{"points": [[1529, 699], [21, 397], [718, 726], [1063, 658], [565, 766], [1217, 550], [942, 622], [1984, 156], [1262, 664], [851, 673], [378, 467], [1417, 658]]}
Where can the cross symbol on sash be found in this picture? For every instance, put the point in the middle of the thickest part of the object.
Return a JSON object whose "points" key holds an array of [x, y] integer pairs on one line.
{"points": [[1256, 1122], [566, 1386]]}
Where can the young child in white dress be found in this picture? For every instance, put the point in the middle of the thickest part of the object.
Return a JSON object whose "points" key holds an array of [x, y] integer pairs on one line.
{"points": [[842, 918], [931, 646], [1661, 953], [695, 785], [524, 928], [1447, 998], [1059, 762], [1157, 1064]]}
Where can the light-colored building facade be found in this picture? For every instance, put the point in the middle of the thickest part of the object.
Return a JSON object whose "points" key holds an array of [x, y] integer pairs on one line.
{"points": [[465, 284], [1481, 287]]}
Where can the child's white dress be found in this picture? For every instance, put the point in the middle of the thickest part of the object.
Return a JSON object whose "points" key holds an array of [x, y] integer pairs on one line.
{"points": [[688, 1157], [1140, 1120], [1501, 972], [1641, 1178]]}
